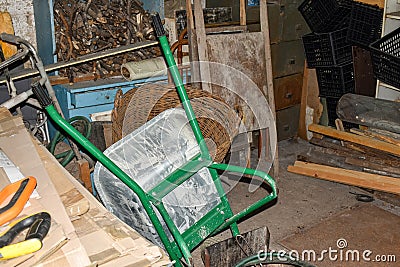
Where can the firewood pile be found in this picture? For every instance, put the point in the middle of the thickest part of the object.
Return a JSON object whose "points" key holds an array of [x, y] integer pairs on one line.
{"points": [[85, 27]]}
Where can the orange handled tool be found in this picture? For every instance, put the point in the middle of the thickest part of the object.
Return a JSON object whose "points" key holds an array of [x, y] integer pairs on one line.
{"points": [[21, 191]]}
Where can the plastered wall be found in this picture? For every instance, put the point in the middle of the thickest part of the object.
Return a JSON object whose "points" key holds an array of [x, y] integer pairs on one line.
{"points": [[22, 15]]}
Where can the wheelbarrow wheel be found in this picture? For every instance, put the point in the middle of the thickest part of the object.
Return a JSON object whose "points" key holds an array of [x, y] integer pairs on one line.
{"points": [[265, 259]]}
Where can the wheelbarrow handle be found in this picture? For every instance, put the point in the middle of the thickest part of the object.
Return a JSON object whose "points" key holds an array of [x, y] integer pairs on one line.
{"points": [[41, 94], [157, 25]]}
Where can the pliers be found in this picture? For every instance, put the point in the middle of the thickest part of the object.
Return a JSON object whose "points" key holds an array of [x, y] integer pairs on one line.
{"points": [[38, 224], [22, 190]]}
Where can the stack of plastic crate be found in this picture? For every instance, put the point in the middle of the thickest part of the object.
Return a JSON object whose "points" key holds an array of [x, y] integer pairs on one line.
{"points": [[336, 26]]}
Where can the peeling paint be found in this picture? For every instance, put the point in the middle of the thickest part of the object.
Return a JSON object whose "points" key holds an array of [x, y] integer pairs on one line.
{"points": [[22, 15]]}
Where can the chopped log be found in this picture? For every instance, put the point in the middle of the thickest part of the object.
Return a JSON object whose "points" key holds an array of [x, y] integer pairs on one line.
{"points": [[362, 140], [350, 177], [85, 27], [369, 111]]}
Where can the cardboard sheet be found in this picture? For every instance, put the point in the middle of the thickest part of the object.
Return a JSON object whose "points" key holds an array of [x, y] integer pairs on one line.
{"points": [[83, 232]]}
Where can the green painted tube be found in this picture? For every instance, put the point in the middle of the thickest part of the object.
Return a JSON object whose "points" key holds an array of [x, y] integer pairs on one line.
{"points": [[254, 206], [112, 167], [183, 96]]}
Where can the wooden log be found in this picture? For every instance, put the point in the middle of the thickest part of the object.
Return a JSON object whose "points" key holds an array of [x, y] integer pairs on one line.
{"points": [[326, 146], [369, 111], [350, 177], [376, 160], [313, 156], [377, 136], [371, 165], [362, 140]]}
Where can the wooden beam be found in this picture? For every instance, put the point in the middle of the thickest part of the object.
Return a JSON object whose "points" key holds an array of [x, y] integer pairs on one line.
{"points": [[202, 46], [362, 140], [270, 79], [378, 136], [84, 174], [193, 51], [309, 99], [243, 12], [302, 130], [350, 177]]}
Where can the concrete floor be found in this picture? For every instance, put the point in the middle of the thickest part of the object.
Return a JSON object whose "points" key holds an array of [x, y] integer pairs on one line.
{"points": [[302, 201]]}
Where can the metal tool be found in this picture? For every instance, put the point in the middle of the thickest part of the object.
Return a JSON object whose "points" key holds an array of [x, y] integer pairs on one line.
{"points": [[38, 226], [20, 191]]}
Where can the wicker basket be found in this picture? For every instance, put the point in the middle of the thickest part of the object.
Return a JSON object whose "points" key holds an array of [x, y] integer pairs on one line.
{"points": [[218, 122]]}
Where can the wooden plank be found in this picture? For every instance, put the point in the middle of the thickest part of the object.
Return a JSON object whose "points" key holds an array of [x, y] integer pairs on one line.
{"points": [[371, 165], [362, 140], [226, 29], [243, 12], [193, 51], [309, 100], [264, 23], [202, 46], [84, 173], [7, 27], [302, 131], [381, 137], [355, 178]]}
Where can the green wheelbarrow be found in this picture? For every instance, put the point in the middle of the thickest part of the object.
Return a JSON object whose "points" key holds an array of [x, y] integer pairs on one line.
{"points": [[192, 164]]}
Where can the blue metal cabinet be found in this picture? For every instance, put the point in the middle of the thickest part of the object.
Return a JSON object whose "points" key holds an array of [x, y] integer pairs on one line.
{"points": [[90, 97], [85, 98]]}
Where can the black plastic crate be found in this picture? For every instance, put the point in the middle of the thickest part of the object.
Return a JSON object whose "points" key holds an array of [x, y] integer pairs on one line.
{"points": [[327, 49], [326, 15], [386, 58], [331, 104], [335, 81], [365, 24]]}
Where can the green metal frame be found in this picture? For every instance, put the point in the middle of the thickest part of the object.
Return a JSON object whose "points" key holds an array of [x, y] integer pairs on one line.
{"points": [[219, 218]]}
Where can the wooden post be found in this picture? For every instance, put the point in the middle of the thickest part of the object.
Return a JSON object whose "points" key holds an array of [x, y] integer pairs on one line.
{"points": [[243, 12], [202, 46], [270, 79], [193, 50], [84, 174]]}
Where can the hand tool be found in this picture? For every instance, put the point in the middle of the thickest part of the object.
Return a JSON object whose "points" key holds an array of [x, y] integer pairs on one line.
{"points": [[21, 191], [38, 226]]}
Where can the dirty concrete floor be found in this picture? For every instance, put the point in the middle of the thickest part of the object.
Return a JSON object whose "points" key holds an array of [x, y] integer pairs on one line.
{"points": [[302, 201]]}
